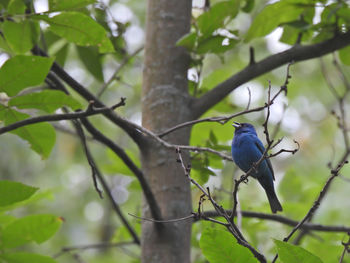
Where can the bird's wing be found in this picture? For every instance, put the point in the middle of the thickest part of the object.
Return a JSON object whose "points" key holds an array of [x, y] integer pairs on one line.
{"points": [[261, 148]]}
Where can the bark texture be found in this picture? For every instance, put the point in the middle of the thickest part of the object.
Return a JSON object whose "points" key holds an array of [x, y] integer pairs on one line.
{"points": [[166, 102]]}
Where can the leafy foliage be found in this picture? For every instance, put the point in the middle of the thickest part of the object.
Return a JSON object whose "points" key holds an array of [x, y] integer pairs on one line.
{"points": [[21, 72], [21, 36], [41, 136], [79, 29], [37, 228], [12, 192], [17, 232], [220, 246], [46, 100], [291, 253]]}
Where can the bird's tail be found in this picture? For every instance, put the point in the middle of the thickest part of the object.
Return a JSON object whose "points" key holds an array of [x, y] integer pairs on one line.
{"points": [[273, 200]]}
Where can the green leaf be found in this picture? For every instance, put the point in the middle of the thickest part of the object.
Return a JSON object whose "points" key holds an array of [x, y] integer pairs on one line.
{"points": [[274, 15], [248, 6], [41, 136], [60, 5], [209, 21], [37, 228], [79, 29], [220, 246], [344, 55], [47, 100], [188, 41], [4, 46], [13, 192], [23, 257], [21, 72], [21, 36], [290, 253], [16, 7], [92, 61], [213, 138], [214, 45], [33, 199]]}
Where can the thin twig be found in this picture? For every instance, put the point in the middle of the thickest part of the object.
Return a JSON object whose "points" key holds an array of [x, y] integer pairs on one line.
{"points": [[86, 94], [92, 246], [231, 227], [312, 210], [155, 210], [163, 221], [346, 248], [117, 71], [282, 220], [98, 174], [88, 155]]}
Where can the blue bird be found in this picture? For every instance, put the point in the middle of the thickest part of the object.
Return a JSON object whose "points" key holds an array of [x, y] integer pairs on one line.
{"points": [[246, 150]]}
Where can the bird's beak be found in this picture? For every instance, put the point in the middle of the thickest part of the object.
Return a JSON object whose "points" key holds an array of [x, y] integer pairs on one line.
{"points": [[236, 124]]}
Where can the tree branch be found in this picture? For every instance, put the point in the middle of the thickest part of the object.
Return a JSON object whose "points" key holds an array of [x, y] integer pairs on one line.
{"points": [[310, 213], [295, 53], [97, 174], [92, 246], [116, 72], [94, 169], [231, 227], [155, 210], [64, 116], [282, 220], [85, 93]]}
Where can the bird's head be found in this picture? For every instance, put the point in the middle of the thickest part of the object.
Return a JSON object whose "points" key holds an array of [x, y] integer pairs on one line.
{"points": [[243, 128]]}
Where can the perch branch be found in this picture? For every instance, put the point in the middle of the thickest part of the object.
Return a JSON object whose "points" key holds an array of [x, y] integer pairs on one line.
{"points": [[295, 53]]}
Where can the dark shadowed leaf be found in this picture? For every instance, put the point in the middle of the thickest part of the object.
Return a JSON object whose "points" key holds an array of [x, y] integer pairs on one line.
{"points": [[209, 21], [92, 61], [248, 6], [215, 44], [188, 41]]}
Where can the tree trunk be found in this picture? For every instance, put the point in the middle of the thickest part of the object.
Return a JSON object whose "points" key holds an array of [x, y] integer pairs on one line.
{"points": [[166, 102]]}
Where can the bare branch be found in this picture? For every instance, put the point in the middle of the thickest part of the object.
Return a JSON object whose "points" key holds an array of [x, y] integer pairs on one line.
{"points": [[310, 213], [346, 249], [85, 93], [282, 220], [155, 210], [88, 155], [163, 221], [64, 116], [92, 246], [117, 71], [230, 225], [225, 119], [98, 174]]}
